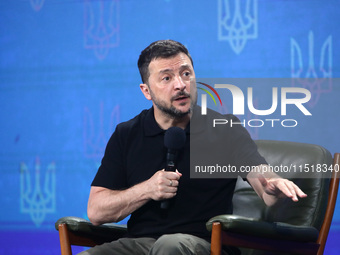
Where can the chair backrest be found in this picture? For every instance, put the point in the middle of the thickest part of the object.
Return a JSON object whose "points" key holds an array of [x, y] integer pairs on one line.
{"points": [[289, 155]]}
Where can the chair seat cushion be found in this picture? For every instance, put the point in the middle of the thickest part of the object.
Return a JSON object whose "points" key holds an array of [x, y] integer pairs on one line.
{"points": [[259, 228]]}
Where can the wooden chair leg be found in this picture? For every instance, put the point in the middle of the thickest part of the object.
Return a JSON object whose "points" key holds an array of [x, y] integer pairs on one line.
{"points": [[216, 239], [333, 192], [65, 244]]}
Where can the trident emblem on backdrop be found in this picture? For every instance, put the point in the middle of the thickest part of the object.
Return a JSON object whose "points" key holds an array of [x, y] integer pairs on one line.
{"points": [[37, 4], [237, 25], [96, 132], [36, 198], [317, 81], [101, 26]]}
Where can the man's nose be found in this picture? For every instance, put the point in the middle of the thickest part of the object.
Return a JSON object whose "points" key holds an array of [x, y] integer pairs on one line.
{"points": [[179, 83]]}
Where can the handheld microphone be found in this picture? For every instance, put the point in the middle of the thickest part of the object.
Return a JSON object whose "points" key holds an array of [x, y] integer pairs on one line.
{"points": [[174, 139]]}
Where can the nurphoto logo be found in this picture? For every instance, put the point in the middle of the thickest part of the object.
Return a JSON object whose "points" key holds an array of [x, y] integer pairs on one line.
{"points": [[281, 98]]}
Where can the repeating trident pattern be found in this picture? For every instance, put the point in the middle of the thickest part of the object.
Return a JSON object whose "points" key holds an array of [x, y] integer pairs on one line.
{"points": [[101, 26], [317, 81], [239, 26], [95, 140], [37, 4], [36, 198]]}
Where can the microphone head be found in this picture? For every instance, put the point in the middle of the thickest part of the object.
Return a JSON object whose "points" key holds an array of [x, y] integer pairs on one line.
{"points": [[174, 138]]}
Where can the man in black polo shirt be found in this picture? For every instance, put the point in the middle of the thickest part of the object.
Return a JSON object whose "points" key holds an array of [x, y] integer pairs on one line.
{"points": [[132, 180]]}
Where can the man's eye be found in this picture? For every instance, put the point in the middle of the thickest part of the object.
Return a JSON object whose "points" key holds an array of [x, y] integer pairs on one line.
{"points": [[186, 74], [166, 78]]}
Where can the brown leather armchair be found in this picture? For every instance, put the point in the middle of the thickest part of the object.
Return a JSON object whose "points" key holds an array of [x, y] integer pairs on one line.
{"points": [[293, 228]]}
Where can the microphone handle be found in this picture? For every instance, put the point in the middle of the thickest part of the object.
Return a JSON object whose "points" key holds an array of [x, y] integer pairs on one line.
{"points": [[170, 166], [165, 204]]}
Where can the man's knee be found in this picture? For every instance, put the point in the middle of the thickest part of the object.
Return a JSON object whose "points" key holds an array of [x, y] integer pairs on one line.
{"points": [[169, 241], [180, 244]]}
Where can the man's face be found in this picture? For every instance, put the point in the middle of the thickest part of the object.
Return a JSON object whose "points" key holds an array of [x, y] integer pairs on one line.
{"points": [[169, 85]]}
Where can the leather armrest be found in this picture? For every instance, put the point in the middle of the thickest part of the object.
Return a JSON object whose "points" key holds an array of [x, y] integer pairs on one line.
{"points": [[259, 228], [82, 226]]}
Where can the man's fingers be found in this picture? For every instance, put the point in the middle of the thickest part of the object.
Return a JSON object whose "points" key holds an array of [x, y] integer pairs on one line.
{"points": [[173, 183], [296, 191], [300, 193], [165, 184], [290, 190], [172, 175], [263, 180]]}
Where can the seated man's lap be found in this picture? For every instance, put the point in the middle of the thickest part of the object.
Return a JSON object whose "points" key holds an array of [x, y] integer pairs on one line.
{"points": [[166, 244], [180, 244], [123, 246]]}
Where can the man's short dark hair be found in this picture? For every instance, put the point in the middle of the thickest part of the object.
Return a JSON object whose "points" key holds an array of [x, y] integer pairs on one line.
{"points": [[159, 49]]}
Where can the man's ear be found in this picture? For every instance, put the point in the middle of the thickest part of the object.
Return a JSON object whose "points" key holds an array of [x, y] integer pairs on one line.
{"points": [[145, 90]]}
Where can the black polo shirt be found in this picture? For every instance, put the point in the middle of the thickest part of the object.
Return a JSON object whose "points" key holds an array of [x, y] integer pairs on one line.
{"points": [[136, 151]]}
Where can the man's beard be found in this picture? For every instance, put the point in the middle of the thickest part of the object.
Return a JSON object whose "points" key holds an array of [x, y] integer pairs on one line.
{"points": [[171, 111]]}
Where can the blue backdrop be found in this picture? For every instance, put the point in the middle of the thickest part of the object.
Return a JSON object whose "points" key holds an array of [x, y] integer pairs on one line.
{"points": [[68, 75]]}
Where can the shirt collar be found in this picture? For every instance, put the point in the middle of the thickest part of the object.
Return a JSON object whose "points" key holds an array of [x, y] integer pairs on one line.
{"points": [[150, 125]]}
